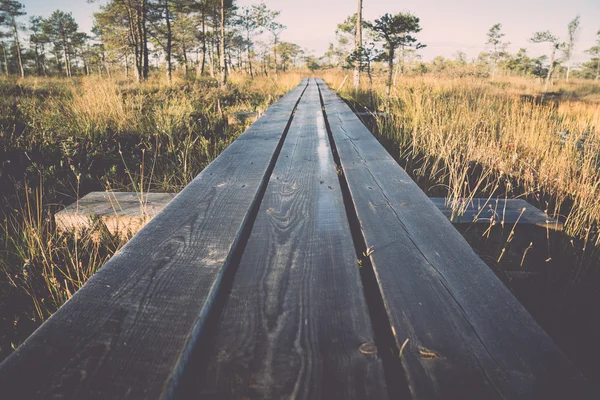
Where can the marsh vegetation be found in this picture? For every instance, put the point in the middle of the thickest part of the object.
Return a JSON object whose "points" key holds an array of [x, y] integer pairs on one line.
{"points": [[141, 104], [465, 137], [61, 139]]}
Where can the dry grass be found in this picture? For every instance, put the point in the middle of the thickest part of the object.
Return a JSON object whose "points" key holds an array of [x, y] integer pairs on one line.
{"points": [[54, 265], [478, 137], [63, 138]]}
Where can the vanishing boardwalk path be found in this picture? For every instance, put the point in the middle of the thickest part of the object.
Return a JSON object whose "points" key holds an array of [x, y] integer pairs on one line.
{"points": [[302, 263]]}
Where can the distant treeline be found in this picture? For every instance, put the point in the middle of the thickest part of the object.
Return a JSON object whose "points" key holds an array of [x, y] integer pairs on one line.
{"points": [[211, 37], [391, 38], [215, 37]]}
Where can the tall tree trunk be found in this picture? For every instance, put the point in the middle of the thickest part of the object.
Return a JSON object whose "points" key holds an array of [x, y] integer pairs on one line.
{"points": [[38, 69], [370, 84], [222, 47], [69, 68], [66, 63], [58, 63], [249, 50], [211, 62], [43, 61], [138, 74], [142, 32], [494, 62], [185, 61], [169, 42], [135, 34], [403, 60], [203, 65], [230, 64], [275, 57], [390, 73], [138, 67], [127, 65], [18, 44], [145, 39], [104, 65], [215, 41], [597, 70], [550, 69], [6, 58], [358, 44], [199, 66], [67, 56], [568, 69]]}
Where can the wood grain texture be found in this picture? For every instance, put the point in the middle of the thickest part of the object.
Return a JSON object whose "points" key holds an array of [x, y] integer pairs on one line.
{"points": [[128, 332], [296, 316], [468, 337]]}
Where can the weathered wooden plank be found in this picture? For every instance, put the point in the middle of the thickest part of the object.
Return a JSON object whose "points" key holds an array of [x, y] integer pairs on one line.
{"points": [[468, 337], [121, 212], [128, 332], [492, 210], [296, 316]]}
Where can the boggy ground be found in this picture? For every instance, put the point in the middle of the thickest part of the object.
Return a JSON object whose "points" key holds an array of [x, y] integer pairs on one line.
{"points": [[462, 137], [61, 139]]}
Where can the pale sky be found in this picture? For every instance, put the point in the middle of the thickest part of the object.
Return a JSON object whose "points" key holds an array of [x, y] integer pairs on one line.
{"points": [[448, 26]]}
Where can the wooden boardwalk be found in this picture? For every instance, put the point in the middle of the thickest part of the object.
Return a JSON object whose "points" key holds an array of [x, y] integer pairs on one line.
{"points": [[302, 263]]}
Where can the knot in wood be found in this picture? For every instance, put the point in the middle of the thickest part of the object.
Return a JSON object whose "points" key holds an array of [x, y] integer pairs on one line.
{"points": [[368, 348]]}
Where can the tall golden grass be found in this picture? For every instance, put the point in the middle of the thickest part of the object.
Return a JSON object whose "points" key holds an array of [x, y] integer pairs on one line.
{"points": [[499, 138], [101, 134], [52, 265]]}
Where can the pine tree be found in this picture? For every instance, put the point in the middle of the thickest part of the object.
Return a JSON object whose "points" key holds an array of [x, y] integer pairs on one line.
{"points": [[395, 32], [10, 10], [38, 41], [4, 52], [547, 37], [123, 24], [62, 31], [498, 46], [250, 28], [568, 47], [358, 43], [266, 19], [595, 53]]}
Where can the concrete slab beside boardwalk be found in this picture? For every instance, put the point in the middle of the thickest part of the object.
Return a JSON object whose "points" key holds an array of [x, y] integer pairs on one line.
{"points": [[128, 212], [121, 212], [492, 210]]}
